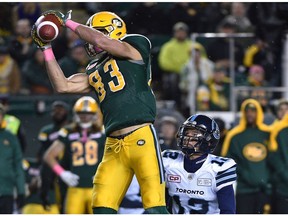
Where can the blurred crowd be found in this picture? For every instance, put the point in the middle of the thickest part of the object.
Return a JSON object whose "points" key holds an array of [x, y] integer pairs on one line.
{"points": [[196, 75], [188, 75]]}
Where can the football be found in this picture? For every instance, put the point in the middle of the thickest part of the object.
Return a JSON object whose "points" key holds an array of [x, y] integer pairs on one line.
{"points": [[48, 28]]}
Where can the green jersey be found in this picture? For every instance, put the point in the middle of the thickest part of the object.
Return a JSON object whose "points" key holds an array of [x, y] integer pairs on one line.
{"points": [[249, 150], [11, 171], [123, 87], [82, 154]]}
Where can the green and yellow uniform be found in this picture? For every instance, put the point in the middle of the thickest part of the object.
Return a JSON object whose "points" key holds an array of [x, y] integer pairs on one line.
{"points": [[33, 204], [123, 88], [83, 157], [123, 91]]}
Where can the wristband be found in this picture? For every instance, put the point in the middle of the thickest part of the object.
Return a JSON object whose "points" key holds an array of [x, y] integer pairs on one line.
{"points": [[72, 25], [58, 169], [48, 54]]}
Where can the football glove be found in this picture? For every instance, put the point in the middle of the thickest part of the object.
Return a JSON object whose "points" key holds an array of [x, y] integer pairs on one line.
{"points": [[40, 44], [69, 178], [60, 16]]}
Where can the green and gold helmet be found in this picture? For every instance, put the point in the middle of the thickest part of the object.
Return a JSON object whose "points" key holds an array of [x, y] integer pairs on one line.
{"points": [[108, 23]]}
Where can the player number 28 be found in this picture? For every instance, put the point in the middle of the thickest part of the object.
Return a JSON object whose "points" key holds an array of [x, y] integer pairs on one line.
{"points": [[85, 154], [114, 85]]}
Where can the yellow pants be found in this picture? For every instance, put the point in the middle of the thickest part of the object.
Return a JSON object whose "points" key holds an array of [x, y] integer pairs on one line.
{"points": [[137, 153], [78, 201], [38, 209]]}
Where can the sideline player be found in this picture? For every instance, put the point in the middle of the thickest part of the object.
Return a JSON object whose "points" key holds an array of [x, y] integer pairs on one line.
{"points": [[82, 143], [47, 135]]}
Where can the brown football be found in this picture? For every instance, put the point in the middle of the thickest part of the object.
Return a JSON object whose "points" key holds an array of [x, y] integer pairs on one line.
{"points": [[48, 28]]}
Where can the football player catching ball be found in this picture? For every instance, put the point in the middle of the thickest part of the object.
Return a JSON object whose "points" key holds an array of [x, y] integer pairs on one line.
{"points": [[120, 76]]}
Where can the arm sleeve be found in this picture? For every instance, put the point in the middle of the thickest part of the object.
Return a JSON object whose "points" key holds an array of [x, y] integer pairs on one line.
{"points": [[226, 200], [227, 176], [19, 172]]}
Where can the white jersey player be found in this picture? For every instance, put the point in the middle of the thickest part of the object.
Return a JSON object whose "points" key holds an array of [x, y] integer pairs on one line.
{"points": [[198, 182]]}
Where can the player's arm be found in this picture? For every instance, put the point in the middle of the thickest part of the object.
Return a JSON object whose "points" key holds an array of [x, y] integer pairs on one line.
{"points": [[99, 39], [112, 46], [77, 83], [225, 178], [226, 200], [50, 157], [53, 152]]}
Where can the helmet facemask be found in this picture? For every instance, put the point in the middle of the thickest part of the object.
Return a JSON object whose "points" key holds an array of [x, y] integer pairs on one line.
{"points": [[94, 51], [85, 119], [195, 138], [190, 140]]}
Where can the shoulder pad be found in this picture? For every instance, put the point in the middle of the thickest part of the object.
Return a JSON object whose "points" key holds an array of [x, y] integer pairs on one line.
{"points": [[138, 37], [140, 43], [221, 163]]}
